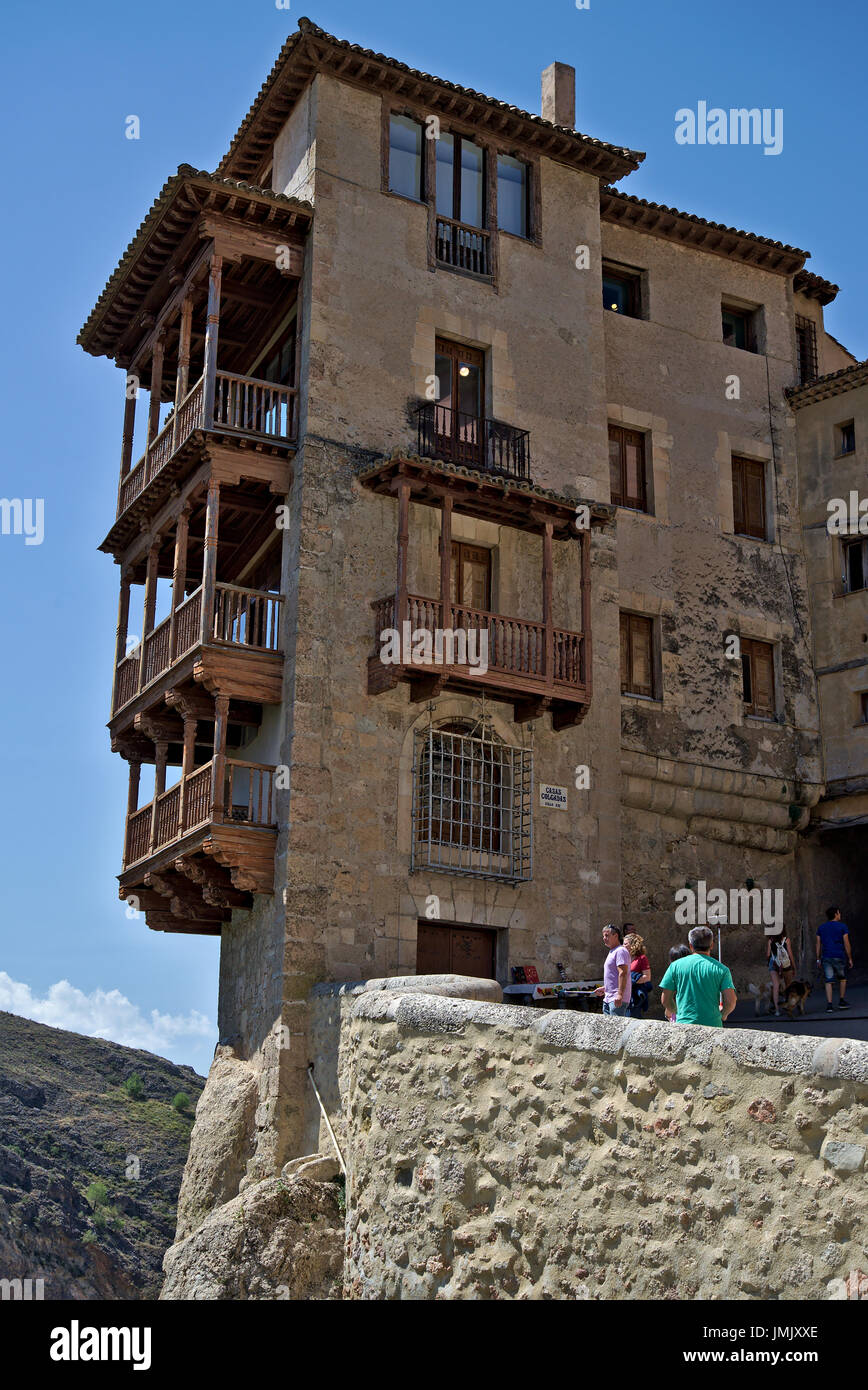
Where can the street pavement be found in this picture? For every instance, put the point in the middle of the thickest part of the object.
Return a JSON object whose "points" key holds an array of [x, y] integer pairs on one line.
{"points": [[843, 1023]]}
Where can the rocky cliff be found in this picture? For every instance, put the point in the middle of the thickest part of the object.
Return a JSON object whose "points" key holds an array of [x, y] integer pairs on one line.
{"points": [[90, 1161]]}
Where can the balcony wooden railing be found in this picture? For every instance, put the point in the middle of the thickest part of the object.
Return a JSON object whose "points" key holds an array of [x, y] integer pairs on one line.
{"points": [[516, 647], [481, 443], [463, 247], [247, 799], [242, 404], [246, 618]]}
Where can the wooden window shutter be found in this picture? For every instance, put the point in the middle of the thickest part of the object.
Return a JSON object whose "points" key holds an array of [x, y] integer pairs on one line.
{"points": [[627, 468], [637, 655], [759, 677], [625, 652], [640, 653], [749, 498]]}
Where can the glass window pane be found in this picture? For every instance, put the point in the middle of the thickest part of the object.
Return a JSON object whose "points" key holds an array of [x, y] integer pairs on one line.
{"points": [[634, 471], [616, 294], [734, 328], [468, 389], [443, 373], [445, 153], [405, 157], [471, 184], [512, 195]]}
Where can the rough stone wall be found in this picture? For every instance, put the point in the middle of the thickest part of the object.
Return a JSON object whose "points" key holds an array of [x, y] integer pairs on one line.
{"points": [[708, 792], [497, 1153]]}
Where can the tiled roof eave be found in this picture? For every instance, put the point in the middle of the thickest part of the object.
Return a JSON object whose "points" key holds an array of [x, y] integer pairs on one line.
{"points": [[687, 229], [143, 242], [833, 384], [310, 50]]}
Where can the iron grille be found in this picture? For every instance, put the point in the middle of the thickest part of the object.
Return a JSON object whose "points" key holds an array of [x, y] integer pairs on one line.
{"points": [[472, 803], [806, 338]]}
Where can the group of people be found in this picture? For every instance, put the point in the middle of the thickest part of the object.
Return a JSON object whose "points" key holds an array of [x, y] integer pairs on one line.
{"points": [[698, 988]]}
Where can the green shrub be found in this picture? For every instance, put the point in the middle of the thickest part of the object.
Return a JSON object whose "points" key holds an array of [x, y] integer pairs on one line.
{"points": [[133, 1087], [181, 1102], [89, 1238], [97, 1194]]}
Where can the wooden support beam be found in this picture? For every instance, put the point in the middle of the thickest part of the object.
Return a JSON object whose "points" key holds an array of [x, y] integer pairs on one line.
{"points": [[133, 793], [122, 629], [403, 543], [159, 788], [150, 605], [179, 570], [183, 377], [156, 389], [445, 562], [209, 564], [585, 539], [215, 276], [188, 759], [218, 775], [549, 666]]}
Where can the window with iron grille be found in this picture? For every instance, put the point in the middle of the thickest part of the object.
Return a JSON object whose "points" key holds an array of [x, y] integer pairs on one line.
{"points": [[472, 804], [806, 341]]}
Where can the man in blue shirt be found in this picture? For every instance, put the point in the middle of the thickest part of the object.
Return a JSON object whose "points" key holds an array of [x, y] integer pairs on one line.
{"points": [[833, 943]]}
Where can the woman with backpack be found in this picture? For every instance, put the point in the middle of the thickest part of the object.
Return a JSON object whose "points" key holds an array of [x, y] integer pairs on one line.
{"points": [[781, 960]]}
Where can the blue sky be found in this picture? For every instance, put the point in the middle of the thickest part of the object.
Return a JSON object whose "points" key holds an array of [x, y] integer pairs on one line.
{"points": [[76, 189]]}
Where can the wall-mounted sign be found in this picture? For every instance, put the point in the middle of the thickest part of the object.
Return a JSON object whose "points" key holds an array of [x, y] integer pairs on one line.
{"points": [[555, 798]]}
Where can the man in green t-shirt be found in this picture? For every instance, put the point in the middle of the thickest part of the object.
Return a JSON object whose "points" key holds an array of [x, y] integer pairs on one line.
{"points": [[692, 987]]}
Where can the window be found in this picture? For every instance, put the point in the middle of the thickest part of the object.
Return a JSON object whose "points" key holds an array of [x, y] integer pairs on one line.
{"points": [[806, 343], [471, 803], [637, 655], [405, 157], [627, 468], [458, 412], [471, 576], [847, 438], [855, 566], [749, 498], [738, 328], [460, 186], [758, 678], [622, 291], [863, 706], [513, 189]]}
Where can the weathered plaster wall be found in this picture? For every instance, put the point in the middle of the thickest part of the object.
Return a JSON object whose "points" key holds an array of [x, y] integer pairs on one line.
{"points": [[499, 1153], [708, 791]]}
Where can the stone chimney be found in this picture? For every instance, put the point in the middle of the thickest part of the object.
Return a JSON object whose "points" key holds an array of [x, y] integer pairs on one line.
{"points": [[559, 94]]}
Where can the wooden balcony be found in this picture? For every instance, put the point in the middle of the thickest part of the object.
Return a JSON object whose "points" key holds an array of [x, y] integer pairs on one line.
{"points": [[240, 638], [488, 446], [534, 665], [462, 247], [202, 847], [245, 409]]}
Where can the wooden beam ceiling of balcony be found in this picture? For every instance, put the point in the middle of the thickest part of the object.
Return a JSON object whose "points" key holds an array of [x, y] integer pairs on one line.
{"points": [[507, 503]]}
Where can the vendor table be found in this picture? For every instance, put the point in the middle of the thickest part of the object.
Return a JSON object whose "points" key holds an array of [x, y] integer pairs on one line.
{"points": [[560, 994]]}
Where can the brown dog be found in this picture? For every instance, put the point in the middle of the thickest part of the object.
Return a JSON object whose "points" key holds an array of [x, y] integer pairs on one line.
{"points": [[796, 997]]}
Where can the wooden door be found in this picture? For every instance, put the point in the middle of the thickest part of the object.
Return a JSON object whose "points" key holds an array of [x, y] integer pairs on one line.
{"points": [[471, 576], [443, 948], [458, 429]]}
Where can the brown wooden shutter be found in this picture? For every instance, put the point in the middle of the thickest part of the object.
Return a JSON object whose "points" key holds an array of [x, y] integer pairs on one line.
{"points": [[749, 498], [640, 654], [764, 679], [615, 465], [737, 497], [759, 671], [625, 652]]}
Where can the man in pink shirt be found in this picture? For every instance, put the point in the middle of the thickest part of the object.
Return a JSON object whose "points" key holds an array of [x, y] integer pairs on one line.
{"points": [[616, 973]]}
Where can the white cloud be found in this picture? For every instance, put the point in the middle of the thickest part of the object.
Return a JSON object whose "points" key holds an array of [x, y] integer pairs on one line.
{"points": [[109, 1014]]}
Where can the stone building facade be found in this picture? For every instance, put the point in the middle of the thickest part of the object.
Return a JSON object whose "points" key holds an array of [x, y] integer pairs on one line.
{"points": [[610, 487]]}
